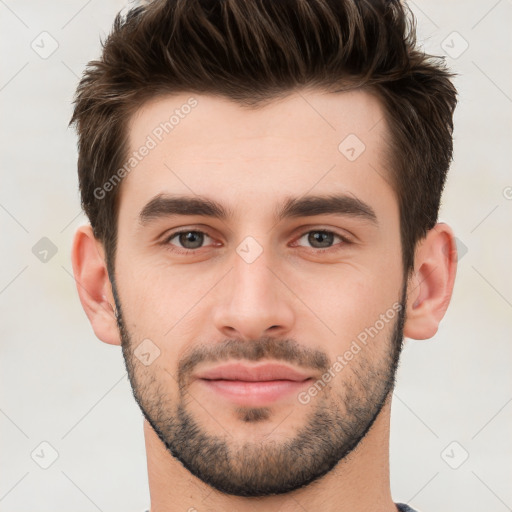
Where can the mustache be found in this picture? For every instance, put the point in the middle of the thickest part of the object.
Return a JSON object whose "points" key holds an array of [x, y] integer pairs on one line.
{"points": [[265, 348]]}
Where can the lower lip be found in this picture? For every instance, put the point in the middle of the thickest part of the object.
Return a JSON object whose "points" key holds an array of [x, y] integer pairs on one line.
{"points": [[255, 393]]}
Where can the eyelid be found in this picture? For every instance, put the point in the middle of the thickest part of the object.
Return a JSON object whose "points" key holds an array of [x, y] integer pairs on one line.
{"points": [[168, 237], [345, 239]]}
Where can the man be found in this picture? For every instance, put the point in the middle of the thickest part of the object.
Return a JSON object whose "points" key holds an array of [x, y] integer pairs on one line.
{"points": [[263, 181]]}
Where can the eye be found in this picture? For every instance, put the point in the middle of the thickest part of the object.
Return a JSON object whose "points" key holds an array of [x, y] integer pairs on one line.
{"points": [[321, 239], [191, 240], [188, 239]]}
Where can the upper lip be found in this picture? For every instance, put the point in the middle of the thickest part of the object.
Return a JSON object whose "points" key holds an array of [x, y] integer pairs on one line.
{"points": [[261, 372]]}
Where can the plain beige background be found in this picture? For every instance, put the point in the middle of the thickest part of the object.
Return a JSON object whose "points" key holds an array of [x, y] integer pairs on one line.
{"points": [[60, 386]]}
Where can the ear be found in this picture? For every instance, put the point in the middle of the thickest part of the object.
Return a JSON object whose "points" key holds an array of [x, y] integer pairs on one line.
{"points": [[93, 285], [430, 286]]}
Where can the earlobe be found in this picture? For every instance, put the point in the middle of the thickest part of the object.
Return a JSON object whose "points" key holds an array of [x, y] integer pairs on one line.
{"points": [[431, 284], [93, 285]]}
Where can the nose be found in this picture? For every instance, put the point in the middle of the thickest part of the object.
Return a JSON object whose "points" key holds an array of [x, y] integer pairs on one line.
{"points": [[253, 301]]}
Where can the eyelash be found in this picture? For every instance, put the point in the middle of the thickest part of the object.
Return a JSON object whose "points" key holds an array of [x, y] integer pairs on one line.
{"points": [[181, 250]]}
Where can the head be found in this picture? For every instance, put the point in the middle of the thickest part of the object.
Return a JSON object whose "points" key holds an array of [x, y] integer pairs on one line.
{"points": [[263, 181]]}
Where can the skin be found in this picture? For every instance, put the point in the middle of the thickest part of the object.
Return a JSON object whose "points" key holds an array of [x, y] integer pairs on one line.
{"points": [[250, 161]]}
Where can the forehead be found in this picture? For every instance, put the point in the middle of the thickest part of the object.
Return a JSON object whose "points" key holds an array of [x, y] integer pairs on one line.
{"points": [[211, 146]]}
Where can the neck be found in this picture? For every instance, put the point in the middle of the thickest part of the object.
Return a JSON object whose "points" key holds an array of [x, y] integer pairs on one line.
{"points": [[359, 483]]}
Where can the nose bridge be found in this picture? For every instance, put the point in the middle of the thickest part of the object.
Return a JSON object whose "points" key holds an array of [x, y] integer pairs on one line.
{"points": [[254, 300], [253, 282]]}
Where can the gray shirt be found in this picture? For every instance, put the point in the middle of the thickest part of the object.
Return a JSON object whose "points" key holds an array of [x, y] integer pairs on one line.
{"points": [[402, 507]]}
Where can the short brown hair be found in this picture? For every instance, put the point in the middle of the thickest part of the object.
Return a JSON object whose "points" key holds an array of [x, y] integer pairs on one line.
{"points": [[254, 51]]}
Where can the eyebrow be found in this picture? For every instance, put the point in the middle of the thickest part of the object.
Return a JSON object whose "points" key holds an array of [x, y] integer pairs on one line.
{"points": [[165, 205]]}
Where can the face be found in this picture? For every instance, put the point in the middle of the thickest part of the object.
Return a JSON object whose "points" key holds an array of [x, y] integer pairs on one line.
{"points": [[259, 284]]}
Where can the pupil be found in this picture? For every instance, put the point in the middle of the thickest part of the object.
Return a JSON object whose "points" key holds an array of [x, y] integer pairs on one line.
{"points": [[321, 237], [193, 238]]}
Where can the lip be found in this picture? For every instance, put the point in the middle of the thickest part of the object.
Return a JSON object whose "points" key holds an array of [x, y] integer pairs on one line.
{"points": [[257, 373], [254, 386]]}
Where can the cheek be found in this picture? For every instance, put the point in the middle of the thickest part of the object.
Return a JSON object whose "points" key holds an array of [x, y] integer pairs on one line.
{"points": [[347, 299], [158, 290], [163, 304]]}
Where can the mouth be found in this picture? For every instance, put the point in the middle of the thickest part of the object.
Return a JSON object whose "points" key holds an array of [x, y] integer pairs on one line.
{"points": [[253, 385]]}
